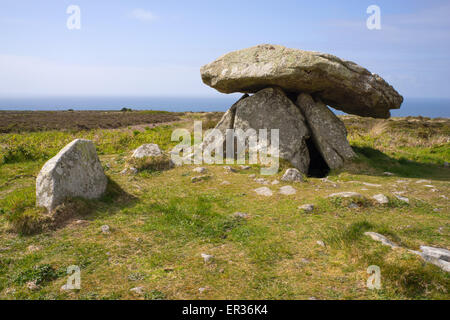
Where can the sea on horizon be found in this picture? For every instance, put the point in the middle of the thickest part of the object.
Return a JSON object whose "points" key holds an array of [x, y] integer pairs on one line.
{"points": [[426, 107]]}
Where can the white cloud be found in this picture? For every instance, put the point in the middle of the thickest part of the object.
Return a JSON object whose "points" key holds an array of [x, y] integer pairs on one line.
{"points": [[143, 15]]}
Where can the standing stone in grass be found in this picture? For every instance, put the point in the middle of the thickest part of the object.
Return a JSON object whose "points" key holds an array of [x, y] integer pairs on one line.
{"points": [[75, 171], [292, 175], [147, 150], [328, 132]]}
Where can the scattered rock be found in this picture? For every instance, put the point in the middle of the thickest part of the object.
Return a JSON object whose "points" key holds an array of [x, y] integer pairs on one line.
{"points": [[404, 199], [372, 184], [10, 291], [423, 181], [326, 180], [261, 181], [199, 178], [75, 171], [130, 170], [437, 253], [274, 182], [138, 290], [381, 198], [147, 150], [81, 222], [353, 205], [200, 170], [201, 290], [304, 261], [31, 285], [320, 243], [292, 175], [240, 215], [225, 183], [207, 257], [346, 195], [264, 191], [287, 190], [230, 169], [245, 167], [341, 84], [378, 237], [33, 248], [429, 186], [437, 256], [307, 207], [387, 173], [251, 176], [105, 229]]}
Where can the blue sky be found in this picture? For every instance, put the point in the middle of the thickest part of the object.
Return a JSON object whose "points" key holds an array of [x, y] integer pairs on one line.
{"points": [[156, 48]]}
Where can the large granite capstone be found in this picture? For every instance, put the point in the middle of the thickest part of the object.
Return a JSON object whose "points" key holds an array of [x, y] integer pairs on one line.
{"points": [[341, 84]]}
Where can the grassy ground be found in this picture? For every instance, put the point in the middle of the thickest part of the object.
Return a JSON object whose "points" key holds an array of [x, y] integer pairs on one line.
{"points": [[161, 222]]}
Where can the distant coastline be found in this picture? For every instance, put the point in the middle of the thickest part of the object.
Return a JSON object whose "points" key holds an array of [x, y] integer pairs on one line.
{"points": [[426, 107]]}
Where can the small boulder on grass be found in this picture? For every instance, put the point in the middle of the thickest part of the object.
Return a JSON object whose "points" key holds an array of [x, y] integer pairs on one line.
{"points": [[200, 170], [156, 163], [292, 175], [147, 150], [148, 157], [381, 199], [199, 178], [307, 207]]}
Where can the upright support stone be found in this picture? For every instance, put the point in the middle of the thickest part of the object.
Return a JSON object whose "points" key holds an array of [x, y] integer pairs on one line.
{"points": [[328, 132], [269, 109]]}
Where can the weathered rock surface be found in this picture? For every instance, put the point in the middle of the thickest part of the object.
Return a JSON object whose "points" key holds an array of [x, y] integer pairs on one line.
{"points": [[272, 109], [437, 253], [287, 190], [381, 198], [307, 207], [75, 171], [328, 132], [264, 191], [147, 150], [292, 175], [344, 85], [200, 170], [379, 237], [347, 194]]}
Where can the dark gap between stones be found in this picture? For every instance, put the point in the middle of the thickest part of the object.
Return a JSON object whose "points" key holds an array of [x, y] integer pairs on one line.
{"points": [[318, 168]]}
